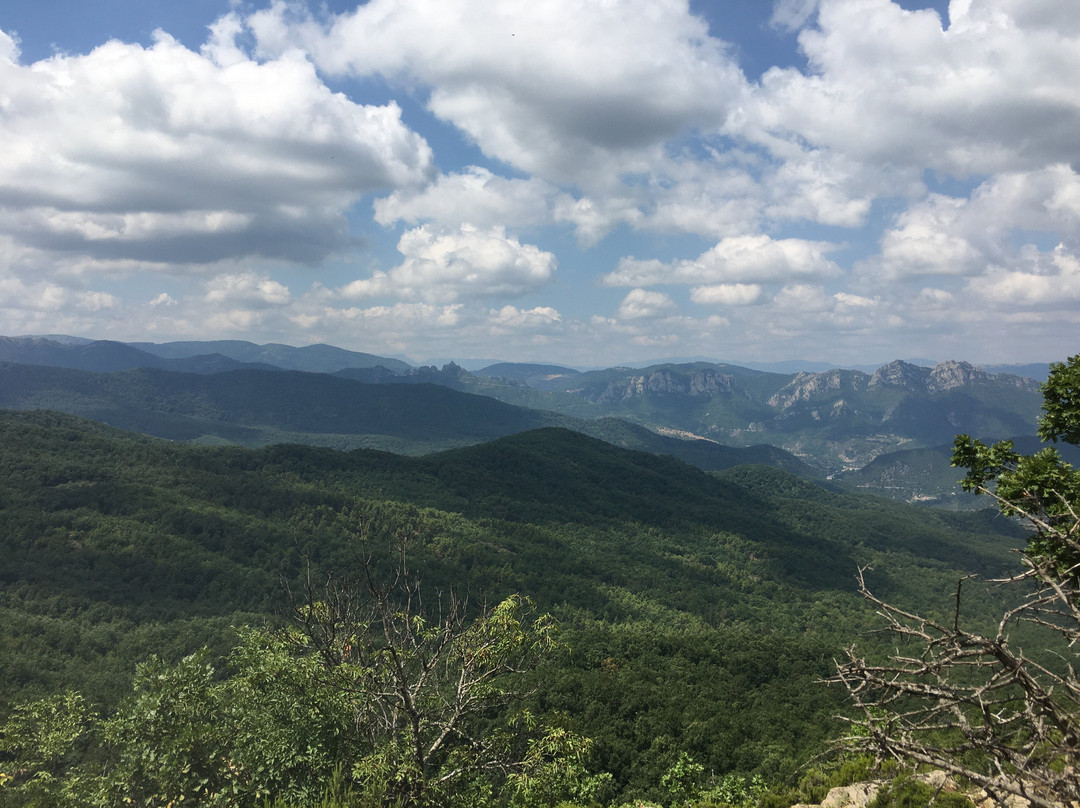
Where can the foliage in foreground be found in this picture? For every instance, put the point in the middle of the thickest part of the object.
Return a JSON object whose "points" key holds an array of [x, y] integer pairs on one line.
{"points": [[976, 704], [390, 708]]}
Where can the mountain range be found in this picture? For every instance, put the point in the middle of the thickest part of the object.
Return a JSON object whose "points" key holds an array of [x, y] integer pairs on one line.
{"points": [[831, 422]]}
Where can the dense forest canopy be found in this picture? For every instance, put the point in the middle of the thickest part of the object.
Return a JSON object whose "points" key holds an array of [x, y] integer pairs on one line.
{"points": [[697, 612]]}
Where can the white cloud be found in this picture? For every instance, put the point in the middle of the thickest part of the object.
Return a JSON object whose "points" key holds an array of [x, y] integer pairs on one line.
{"points": [[538, 317], [942, 235], [553, 87], [828, 188], [474, 195], [9, 47], [739, 259], [247, 287], [931, 298], [925, 241], [16, 294], [803, 298], [96, 301], [846, 300], [727, 294], [1052, 281], [594, 218], [467, 262], [640, 304], [166, 156], [994, 91], [400, 318]]}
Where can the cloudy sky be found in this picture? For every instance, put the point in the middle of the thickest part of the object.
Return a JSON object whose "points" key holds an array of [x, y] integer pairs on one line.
{"points": [[577, 181]]}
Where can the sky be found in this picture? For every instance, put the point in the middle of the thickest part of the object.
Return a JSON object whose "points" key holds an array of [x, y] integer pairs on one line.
{"points": [[586, 182]]}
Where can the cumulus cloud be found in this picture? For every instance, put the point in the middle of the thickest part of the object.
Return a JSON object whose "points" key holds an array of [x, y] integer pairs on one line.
{"points": [[642, 304], [926, 242], [994, 90], [739, 259], [547, 97], [163, 155], [96, 301], [9, 47], [466, 262], [475, 195], [247, 287], [943, 235], [1052, 280], [727, 294], [538, 317]]}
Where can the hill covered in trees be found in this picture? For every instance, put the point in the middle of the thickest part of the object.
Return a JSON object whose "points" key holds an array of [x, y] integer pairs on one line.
{"points": [[257, 407], [698, 611]]}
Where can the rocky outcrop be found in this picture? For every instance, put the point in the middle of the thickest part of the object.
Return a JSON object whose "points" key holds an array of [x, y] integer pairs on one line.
{"points": [[859, 795], [943, 377], [699, 383], [808, 387], [950, 375], [904, 375]]}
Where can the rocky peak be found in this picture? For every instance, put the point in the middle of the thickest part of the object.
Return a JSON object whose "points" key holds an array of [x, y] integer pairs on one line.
{"points": [[809, 386], [950, 375], [698, 383], [941, 378], [901, 374]]}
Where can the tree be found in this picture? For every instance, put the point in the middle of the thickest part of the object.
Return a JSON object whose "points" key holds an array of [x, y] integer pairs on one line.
{"points": [[396, 700], [431, 685], [976, 704]]}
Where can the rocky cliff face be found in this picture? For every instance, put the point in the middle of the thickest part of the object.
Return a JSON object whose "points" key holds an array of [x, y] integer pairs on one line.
{"points": [[699, 383], [807, 387], [943, 377], [901, 374]]}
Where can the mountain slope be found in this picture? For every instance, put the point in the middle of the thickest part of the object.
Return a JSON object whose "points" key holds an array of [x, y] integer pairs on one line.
{"points": [[927, 476], [106, 355], [318, 358], [254, 408], [698, 609], [258, 406], [836, 419]]}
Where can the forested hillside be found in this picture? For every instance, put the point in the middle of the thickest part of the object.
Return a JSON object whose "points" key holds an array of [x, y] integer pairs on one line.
{"points": [[256, 407], [698, 611]]}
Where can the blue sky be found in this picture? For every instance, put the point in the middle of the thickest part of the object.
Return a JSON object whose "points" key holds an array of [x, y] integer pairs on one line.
{"points": [[578, 181]]}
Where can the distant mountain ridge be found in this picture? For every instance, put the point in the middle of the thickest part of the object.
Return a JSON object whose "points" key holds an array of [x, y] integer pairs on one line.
{"points": [[106, 355], [836, 420], [260, 407], [318, 358], [194, 357]]}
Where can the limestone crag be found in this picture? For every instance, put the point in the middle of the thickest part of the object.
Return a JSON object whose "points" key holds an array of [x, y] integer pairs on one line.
{"points": [[859, 795], [814, 389], [810, 386], [912, 378], [698, 383]]}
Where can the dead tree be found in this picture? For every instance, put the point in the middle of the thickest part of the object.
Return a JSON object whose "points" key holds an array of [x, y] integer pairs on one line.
{"points": [[973, 703], [424, 677]]}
